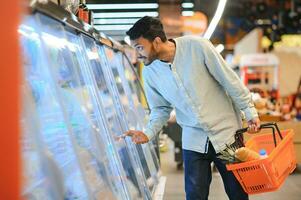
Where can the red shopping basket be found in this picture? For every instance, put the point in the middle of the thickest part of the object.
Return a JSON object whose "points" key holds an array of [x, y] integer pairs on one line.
{"points": [[267, 174]]}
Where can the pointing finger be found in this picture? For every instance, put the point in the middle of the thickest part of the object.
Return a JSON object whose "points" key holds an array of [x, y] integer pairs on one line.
{"points": [[128, 133]]}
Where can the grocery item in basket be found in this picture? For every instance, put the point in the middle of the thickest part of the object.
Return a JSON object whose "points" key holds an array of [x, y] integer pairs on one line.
{"points": [[228, 154], [266, 175], [263, 153], [245, 154]]}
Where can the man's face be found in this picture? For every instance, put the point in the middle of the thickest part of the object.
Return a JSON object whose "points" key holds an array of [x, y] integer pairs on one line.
{"points": [[146, 51]]}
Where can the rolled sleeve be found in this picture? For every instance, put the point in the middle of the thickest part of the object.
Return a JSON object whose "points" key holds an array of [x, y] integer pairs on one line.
{"points": [[250, 113]]}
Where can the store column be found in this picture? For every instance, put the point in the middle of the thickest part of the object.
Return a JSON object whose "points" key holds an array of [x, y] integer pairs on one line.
{"points": [[9, 100]]}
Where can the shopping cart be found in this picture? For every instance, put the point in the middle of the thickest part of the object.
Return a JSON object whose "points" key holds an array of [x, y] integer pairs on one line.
{"points": [[267, 174]]}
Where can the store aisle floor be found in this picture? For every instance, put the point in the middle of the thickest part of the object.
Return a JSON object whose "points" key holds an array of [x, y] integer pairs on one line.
{"points": [[174, 189]]}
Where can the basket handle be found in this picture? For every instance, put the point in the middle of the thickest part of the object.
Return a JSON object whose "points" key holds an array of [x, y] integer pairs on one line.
{"points": [[271, 125]]}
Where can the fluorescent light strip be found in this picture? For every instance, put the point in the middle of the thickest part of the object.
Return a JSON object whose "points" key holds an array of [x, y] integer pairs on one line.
{"points": [[112, 27], [216, 18], [187, 5], [187, 13], [115, 21], [124, 14], [29, 28], [123, 6]]}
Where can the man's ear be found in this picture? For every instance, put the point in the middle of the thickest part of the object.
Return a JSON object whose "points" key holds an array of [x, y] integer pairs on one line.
{"points": [[157, 42]]}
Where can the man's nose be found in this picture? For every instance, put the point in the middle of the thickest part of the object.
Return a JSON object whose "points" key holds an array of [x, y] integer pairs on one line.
{"points": [[140, 56]]}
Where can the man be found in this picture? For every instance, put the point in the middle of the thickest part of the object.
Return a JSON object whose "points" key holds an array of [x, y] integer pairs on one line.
{"points": [[188, 74]]}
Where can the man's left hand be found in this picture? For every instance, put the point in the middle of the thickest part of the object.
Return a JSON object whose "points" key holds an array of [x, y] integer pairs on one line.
{"points": [[254, 125]]}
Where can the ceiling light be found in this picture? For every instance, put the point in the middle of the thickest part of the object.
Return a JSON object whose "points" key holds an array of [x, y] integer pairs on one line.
{"points": [[116, 21], [124, 14], [215, 19], [187, 5], [112, 27], [122, 6], [187, 13]]}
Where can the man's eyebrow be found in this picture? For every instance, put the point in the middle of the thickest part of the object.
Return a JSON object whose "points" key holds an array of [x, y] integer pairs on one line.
{"points": [[135, 45]]}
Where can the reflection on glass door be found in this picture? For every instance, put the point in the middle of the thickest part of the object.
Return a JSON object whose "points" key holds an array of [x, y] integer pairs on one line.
{"points": [[39, 180], [135, 90], [72, 93], [114, 117], [88, 99], [54, 130], [84, 100], [122, 88]]}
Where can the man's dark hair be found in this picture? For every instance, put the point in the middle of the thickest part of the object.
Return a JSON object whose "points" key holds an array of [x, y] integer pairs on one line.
{"points": [[147, 27]]}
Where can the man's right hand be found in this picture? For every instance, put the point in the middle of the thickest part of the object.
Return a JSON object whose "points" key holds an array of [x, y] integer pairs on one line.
{"points": [[254, 125], [138, 137]]}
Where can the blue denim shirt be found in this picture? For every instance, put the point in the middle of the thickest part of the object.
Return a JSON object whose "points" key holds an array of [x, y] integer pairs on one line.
{"points": [[207, 95]]}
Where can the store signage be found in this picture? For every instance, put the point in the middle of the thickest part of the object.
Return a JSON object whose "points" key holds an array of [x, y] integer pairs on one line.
{"points": [[189, 25], [196, 24]]}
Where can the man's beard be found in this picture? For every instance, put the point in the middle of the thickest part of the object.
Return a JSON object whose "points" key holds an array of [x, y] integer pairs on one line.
{"points": [[149, 62], [152, 56]]}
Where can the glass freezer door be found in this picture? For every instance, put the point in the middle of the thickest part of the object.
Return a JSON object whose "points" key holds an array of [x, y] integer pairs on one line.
{"points": [[54, 130], [115, 174], [114, 120], [135, 88], [71, 93], [125, 93], [38, 178]]}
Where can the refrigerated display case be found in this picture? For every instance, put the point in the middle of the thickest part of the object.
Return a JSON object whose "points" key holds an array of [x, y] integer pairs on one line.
{"points": [[135, 91], [40, 179], [97, 112], [86, 95], [80, 117], [54, 129], [115, 119], [94, 162], [130, 103]]}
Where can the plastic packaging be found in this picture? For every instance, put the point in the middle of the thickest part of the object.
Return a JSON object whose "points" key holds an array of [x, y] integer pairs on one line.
{"points": [[245, 154], [263, 153]]}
